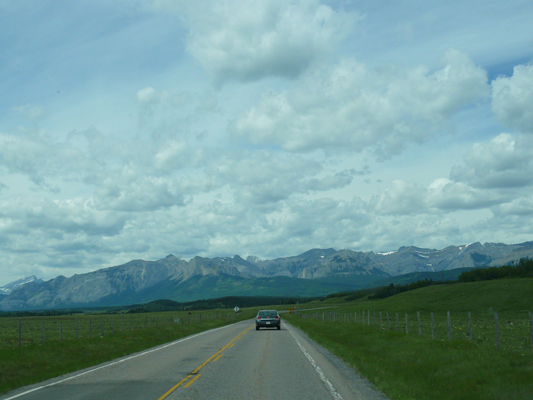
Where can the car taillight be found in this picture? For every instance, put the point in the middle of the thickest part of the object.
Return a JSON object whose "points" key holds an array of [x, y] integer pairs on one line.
{"points": [[277, 316], [258, 317]]}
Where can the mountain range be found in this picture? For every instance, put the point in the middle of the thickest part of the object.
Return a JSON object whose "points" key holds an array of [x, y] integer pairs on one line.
{"points": [[316, 272]]}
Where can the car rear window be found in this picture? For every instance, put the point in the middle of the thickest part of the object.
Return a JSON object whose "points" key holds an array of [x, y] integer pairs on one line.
{"points": [[268, 314]]}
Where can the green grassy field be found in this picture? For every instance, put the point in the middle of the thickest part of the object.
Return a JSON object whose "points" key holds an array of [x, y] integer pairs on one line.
{"points": [[46, 329], [412, 366]]}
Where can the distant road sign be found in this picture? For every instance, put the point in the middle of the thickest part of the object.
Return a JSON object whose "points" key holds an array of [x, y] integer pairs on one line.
{"points": [[236, 309], [290, 310]]}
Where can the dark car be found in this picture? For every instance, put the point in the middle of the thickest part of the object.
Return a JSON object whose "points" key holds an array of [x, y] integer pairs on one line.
{"points": [[267, 319]]}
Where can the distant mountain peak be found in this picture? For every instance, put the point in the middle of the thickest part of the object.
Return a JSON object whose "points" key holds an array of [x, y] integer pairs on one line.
{"points": [[317, 253], [7, 289]]}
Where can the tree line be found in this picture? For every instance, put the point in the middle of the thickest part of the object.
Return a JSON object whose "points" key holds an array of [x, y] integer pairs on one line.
{"points": [[218, 303], [519, 269]]}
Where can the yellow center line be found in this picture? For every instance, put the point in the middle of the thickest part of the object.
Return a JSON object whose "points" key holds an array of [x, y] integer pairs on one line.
{"points": [[191, 381], [216, 359], [195, 372]]}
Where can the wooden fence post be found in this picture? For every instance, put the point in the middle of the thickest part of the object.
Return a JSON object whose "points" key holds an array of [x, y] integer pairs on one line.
{"points": [[469, 326], [497, 331], [449, 327], [531, 327], [432, 326], [90, 328], [419, 326], [388, 321], [406, 323], [397, 323]]}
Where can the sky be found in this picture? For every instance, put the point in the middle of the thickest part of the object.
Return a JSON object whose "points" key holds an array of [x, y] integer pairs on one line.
{"points": [[134, 129]]}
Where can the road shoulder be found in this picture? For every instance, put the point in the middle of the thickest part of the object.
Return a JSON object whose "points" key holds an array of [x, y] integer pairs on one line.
{"points": [[347, 382]]}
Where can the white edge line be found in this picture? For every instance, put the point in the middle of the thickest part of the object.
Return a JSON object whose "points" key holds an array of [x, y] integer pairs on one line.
{"points": [[319, 371], [116, 362]]}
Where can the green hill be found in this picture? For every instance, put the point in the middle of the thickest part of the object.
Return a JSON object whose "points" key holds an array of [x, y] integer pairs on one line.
{"points": [[449, 275], [482, 297]]}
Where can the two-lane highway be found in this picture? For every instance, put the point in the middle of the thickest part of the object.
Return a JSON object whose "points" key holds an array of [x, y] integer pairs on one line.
{"points": [[233, 362]]}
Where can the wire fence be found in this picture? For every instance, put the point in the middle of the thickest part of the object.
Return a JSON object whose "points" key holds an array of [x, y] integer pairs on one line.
{"points": [[506, 330], [18, 332]]}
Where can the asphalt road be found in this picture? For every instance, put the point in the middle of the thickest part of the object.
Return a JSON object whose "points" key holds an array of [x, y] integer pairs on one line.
{"points": [[233, 362]]}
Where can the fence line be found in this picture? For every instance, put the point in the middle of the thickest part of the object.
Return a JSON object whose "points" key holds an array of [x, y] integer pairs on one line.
{"points": [[34, 329], [509, 330]]}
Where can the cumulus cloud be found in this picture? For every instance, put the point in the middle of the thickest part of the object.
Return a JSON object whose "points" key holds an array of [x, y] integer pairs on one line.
{"points": [[521, 207], [310, 222], [141, 194], [503, 162], [446, 195], [402, 198], [337, 181], [350, 106], [431, 231], [441, 196], [247, 40], [174, 154], [496, 175], [512, 98], [55, 218], [263, 178], [41, 158], [149, 95]]}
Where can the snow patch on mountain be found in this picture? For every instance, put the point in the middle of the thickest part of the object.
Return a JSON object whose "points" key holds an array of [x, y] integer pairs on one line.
{"points": [[7, 289]]}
